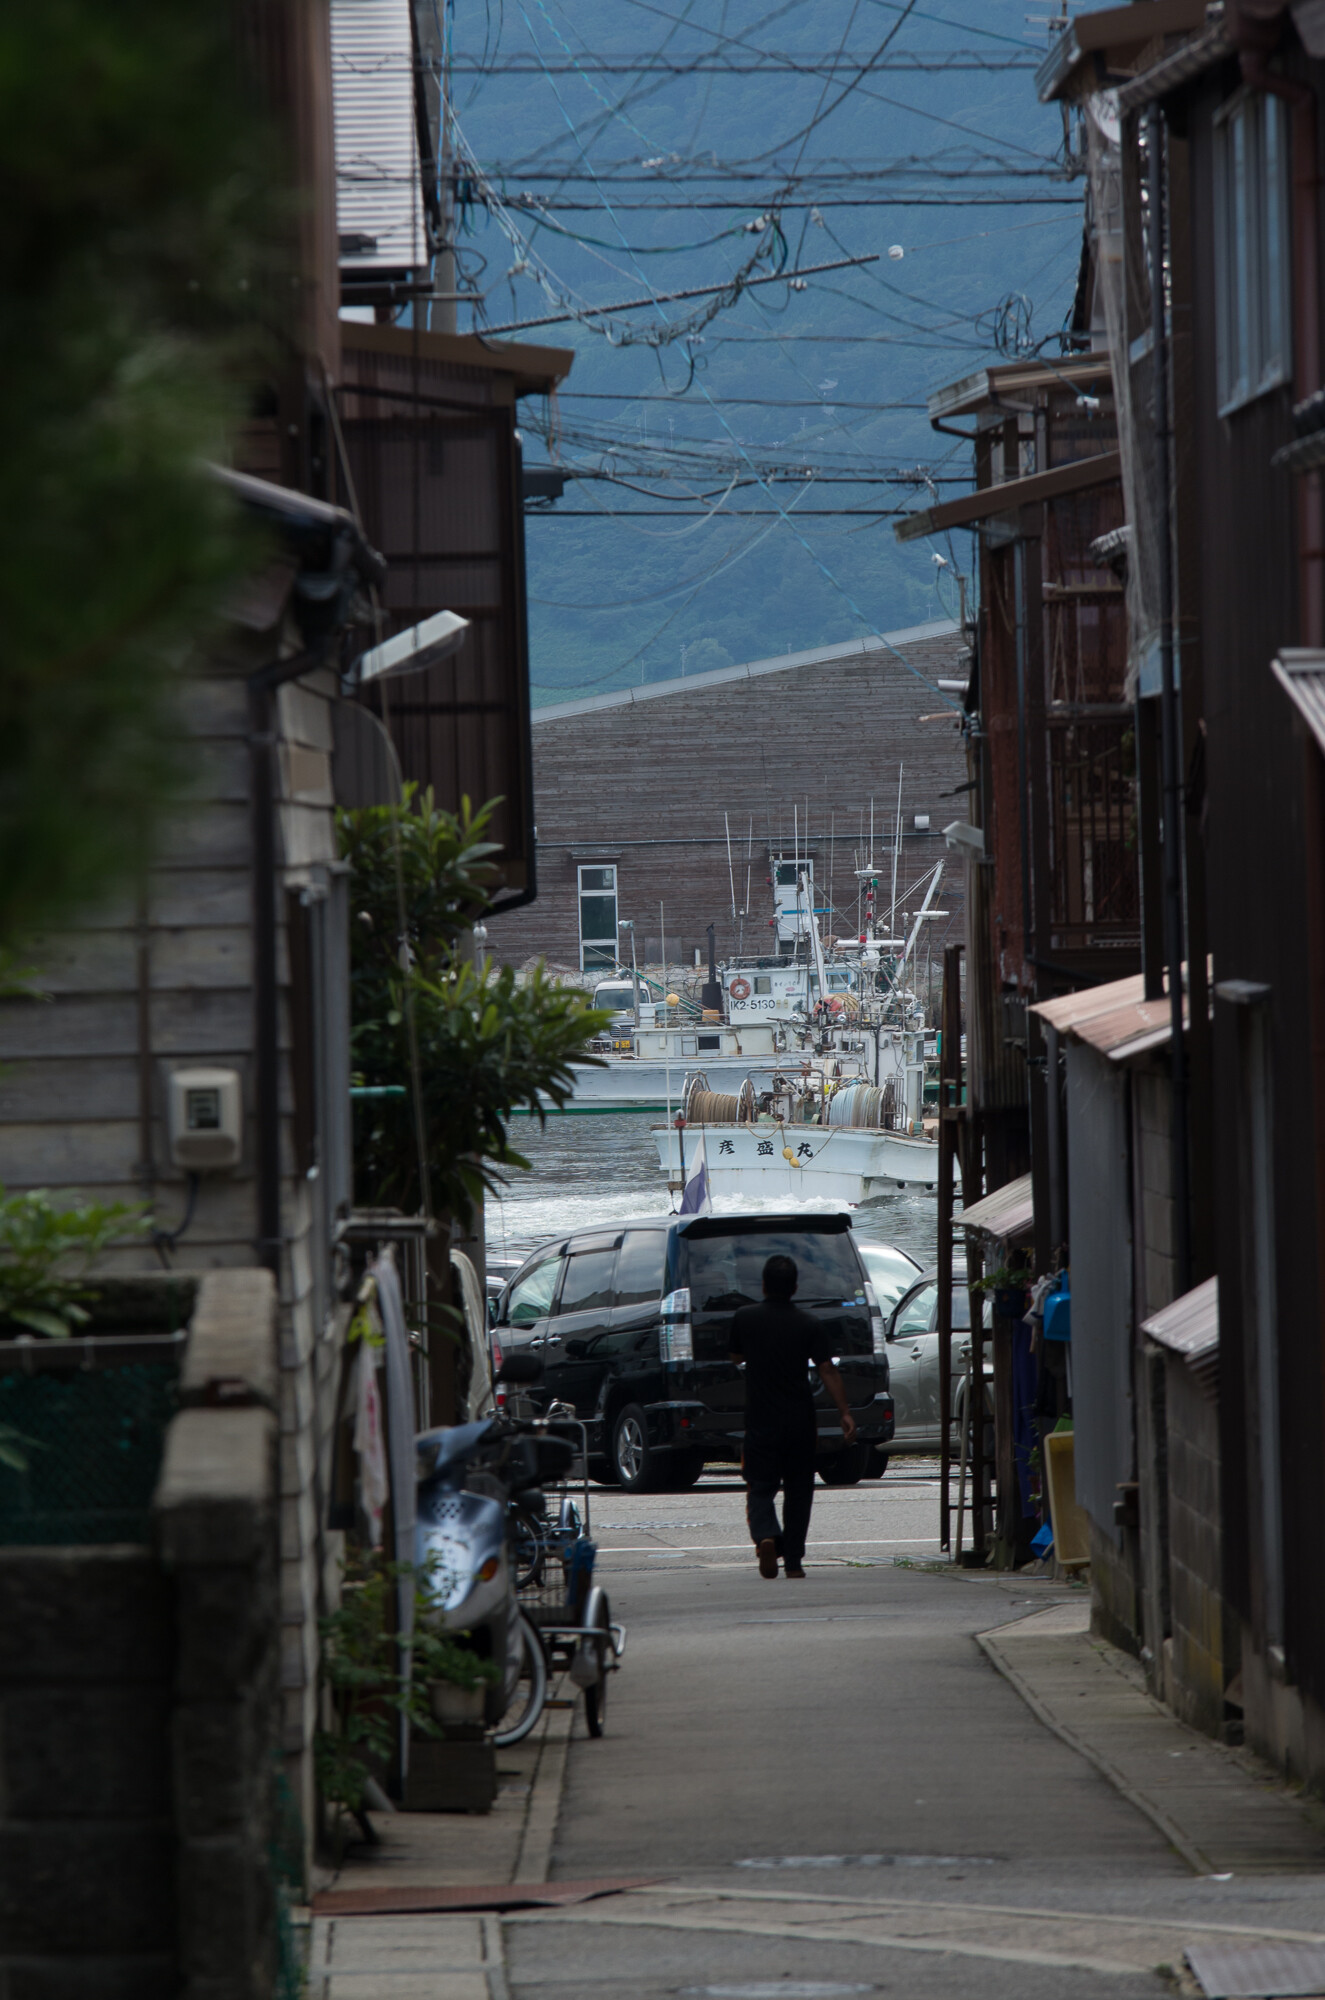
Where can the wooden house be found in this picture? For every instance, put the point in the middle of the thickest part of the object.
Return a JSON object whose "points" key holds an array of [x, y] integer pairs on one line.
{"points": [[1214, 117]]}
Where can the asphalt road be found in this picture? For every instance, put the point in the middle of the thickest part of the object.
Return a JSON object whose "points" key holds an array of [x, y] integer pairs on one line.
{"points": [[836, 1793]]}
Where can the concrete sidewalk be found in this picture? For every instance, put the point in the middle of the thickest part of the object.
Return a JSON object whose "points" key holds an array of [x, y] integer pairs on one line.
{"points": [[431, 1955], [1221, 1811]]}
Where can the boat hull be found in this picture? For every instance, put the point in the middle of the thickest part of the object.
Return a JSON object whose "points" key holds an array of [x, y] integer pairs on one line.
{"points": [[837, 1162], [633, 1083]]}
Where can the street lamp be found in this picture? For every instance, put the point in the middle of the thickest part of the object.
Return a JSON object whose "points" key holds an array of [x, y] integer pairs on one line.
{"points": [[627, 925]]}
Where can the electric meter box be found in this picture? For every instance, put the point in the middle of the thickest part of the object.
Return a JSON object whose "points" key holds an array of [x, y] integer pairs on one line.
{"points": [[205, 1117]]}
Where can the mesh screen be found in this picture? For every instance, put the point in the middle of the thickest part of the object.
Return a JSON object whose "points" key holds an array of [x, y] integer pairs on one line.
{"points": [[93, 1441]]}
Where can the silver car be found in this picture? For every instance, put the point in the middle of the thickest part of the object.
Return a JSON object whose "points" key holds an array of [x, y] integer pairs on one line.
{"points": [[890, 1271], [913, 1358]]}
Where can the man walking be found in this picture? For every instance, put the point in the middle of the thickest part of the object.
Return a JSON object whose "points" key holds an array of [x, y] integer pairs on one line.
{"points": [[777, 1343]]}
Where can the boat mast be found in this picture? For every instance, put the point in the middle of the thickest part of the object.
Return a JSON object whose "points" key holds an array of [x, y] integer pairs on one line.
{"points": [[897, 842]]}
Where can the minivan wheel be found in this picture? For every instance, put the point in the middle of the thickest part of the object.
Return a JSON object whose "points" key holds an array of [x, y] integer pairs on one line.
{"points": [[633, 1460], [878, 1462], [846, 1469], [681, 1471]]}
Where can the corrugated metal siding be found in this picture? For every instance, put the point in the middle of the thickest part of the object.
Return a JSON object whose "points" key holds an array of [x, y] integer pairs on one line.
{"points": [[1101, 1237], [377, 154], [1256, 837]]}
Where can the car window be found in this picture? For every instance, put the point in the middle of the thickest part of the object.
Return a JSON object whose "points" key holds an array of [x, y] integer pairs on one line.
{"points": [[726, 1272], [587, 1285], [640, 1266], [961, 1308], [890, 1272], [915, 1316], [531, 1296]]}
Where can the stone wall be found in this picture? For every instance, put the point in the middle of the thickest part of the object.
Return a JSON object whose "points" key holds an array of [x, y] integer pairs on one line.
{"points": [[140, 1708]]}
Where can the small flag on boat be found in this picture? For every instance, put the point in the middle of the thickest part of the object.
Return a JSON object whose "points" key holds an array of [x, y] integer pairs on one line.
{"points": [[695, 1200]]}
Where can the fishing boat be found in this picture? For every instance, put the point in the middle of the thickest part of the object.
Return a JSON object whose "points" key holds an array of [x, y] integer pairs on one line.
{"points": [[780, 1160], [645, 1068]]}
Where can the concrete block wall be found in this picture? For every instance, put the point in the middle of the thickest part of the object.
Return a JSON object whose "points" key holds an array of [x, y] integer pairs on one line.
{"points": [[87, 1886], [140, 1708], [1195, 1667]]}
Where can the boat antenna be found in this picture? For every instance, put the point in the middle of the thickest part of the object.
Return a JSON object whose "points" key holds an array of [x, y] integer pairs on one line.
{"points": [[749, 870], [897, 842], [730, 876]]}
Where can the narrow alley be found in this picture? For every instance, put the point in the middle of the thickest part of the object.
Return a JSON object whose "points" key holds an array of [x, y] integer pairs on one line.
{"points": [[830, 1788]]}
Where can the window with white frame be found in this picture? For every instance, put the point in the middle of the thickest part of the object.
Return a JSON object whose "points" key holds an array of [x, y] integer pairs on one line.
{"points": [[598, 924], [1251, 249]]}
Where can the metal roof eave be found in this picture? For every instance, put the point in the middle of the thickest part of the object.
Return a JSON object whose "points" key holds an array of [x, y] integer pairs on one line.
{"points": [[1009, 494], [1189, 1326], [1007, 1213], [995, 386], [817, 656], [1300, 672], [534, 371], [1110, 39]]}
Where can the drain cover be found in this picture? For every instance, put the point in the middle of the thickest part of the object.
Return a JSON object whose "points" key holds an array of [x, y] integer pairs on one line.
{"points": [[781, 1989], [867, 1861], [1266, 1972]]}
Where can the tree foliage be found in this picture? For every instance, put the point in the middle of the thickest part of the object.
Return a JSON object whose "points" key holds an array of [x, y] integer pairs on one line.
{"points": [[133, 183], [489, 1043]]}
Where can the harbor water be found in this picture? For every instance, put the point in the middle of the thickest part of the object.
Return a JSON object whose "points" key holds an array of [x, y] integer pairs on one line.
{"points": [[586, 1171]]}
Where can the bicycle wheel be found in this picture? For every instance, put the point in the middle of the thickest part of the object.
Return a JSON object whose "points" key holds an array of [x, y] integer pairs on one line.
{"points": [[530, 1694], [595, 1696], [530, 1550]]}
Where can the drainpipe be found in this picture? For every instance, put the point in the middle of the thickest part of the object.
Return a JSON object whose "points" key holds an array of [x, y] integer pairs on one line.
{"points": [[262, 686], [1170, 722], [1023, 757]]}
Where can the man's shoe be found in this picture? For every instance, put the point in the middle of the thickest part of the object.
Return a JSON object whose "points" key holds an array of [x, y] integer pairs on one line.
{"points": [[768, 1557], [794, 1569]]}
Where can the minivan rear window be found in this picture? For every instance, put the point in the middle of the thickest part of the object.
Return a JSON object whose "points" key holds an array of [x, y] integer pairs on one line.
{"points": [[726, 1272]]}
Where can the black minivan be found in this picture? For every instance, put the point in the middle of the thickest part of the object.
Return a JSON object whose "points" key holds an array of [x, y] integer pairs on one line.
{"points": [[633, 1327]]}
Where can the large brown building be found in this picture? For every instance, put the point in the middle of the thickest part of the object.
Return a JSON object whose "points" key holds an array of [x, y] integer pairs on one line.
{"points": [[660, 805]]}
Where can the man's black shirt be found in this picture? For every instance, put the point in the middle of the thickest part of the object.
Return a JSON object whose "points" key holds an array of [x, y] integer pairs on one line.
{"points": [[778, 1343]]}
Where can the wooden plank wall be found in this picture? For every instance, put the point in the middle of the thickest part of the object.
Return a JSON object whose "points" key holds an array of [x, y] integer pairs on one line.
{"points": [[645, 785], [69, 1082]]}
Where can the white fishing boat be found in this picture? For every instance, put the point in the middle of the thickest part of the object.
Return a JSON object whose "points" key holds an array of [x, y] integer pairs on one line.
{"points": [[797, 1162], [645, 1068]]}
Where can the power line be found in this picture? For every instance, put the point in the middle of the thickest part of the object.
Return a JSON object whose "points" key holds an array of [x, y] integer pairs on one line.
{"points": [[921, 62], [737, 284], [535, 205], [745, 402], [560, 513]]}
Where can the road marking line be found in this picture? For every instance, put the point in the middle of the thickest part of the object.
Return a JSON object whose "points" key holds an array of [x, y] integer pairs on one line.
{"points": [[744, 1895], [726, 1548], [822, 1934]]}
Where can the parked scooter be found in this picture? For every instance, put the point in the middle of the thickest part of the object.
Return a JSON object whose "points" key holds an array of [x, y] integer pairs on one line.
{"points": [[469, 1476]]}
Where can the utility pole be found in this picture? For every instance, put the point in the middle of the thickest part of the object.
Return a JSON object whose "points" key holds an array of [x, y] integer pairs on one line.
{"points": [[433, 99]]}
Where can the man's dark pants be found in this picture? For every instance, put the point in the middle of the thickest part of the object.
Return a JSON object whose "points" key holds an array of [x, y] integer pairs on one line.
{"points": [[780, 1457]]}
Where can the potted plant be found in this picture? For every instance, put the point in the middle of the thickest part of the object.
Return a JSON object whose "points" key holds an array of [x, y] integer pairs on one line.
{"points": [[370, 1687]]}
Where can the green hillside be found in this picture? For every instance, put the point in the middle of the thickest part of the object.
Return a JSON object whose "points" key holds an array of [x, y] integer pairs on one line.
{"points": [[663, 181]]}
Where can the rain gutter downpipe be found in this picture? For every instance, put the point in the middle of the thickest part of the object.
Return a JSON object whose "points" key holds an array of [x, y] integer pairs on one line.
{"points": [[1170, 722], [262, 686]]}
